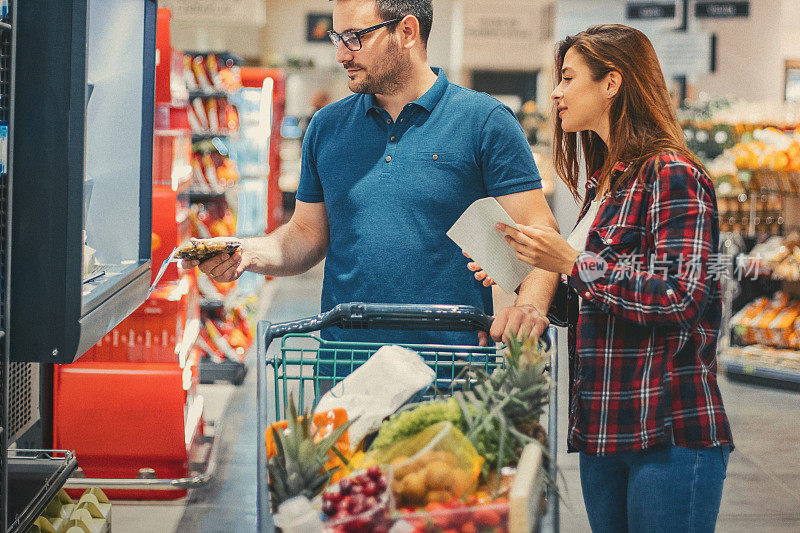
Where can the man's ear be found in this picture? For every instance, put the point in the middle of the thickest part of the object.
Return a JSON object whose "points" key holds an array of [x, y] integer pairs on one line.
{"points": [[408, 32]]}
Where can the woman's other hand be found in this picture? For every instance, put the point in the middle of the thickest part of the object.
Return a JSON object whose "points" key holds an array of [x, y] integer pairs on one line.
{"points": [[480, 275], [541, 247]]}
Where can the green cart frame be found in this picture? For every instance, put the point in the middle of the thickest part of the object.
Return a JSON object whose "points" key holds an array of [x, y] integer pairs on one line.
{"points": [[305, 352]]}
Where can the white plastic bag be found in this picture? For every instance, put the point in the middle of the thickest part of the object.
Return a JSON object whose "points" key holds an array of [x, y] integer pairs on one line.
{"points": [[378, 388]]}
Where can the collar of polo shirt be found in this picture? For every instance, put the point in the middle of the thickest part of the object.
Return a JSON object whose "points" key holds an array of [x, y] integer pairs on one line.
{"points": [[427, 101]]}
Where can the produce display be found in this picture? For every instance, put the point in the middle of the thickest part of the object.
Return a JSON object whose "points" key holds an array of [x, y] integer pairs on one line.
{"points": [[769, 322], [764, 356], [752, 152], [777, 257], [736, 212], [442, 465]]}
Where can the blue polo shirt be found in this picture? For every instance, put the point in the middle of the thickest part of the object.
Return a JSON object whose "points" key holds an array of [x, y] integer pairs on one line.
{"points": [[393, 189]]}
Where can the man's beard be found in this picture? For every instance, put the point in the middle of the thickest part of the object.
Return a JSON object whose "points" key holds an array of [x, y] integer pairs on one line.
{"points": [[386, 77]]}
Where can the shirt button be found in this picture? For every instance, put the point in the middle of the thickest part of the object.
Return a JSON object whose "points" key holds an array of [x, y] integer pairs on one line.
{"points": [[670, 292], [388, 159], [587, 295], [435, 157], [388, 121], [392, 138]]}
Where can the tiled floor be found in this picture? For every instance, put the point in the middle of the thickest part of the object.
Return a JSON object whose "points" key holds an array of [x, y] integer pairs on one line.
{"points": [[762, 491]]}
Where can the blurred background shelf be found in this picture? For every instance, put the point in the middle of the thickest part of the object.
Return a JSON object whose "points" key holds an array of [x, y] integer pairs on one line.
{"points": [[755, 369]]}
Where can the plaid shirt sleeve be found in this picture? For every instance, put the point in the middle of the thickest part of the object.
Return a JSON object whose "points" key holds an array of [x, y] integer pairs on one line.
{"points": [[679, 222]]}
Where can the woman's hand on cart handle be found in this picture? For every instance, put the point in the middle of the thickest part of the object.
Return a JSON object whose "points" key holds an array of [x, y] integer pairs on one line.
{"points": [[520, 321]]}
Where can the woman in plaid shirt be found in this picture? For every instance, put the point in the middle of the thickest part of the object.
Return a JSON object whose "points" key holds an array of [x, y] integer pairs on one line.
{"points": [[646, 413]]}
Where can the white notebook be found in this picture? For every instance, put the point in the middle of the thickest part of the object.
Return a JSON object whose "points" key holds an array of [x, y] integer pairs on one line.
{"points": [[475, 233]]}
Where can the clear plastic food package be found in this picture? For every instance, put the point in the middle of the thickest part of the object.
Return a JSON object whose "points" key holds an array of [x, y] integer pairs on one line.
{"points": [[437, 465]]}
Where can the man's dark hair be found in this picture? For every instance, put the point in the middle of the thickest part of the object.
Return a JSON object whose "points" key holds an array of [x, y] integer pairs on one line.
{"points": [[422, 9]]}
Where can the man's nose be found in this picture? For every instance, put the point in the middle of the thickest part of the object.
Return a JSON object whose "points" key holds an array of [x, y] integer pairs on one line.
{"points": [[343, 54]]}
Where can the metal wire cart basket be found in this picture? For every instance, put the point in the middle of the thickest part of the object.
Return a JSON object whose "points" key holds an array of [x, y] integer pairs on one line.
{"points": [[292, 370]]}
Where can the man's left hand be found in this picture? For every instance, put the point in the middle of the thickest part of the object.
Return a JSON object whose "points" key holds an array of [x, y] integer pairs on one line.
{"points": [[517, 320]]}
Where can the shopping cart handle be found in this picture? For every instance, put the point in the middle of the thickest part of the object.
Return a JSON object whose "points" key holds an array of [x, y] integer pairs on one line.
{"points": [[392, 316]]}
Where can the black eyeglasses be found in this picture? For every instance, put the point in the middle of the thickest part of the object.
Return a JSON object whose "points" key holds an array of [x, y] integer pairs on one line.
{"points": [[352, 39]]}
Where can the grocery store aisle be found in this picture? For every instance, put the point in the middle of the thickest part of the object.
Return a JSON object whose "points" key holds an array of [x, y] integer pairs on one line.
{"points": [[227, 503], [762, 492]]}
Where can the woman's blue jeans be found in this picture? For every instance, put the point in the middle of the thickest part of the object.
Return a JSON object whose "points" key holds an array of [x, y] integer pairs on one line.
{"points": [[667, 489]]}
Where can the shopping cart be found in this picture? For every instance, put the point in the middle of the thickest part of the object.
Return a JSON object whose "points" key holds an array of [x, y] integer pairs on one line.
{"points": [[301, 354]]}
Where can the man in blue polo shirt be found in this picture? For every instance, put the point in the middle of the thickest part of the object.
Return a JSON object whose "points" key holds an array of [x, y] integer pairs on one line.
{"points": [[386, 172]]}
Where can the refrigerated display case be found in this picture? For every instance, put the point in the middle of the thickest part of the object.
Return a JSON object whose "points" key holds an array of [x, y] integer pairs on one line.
{"points": [[76, 234], [80, 237], [150, 441]]}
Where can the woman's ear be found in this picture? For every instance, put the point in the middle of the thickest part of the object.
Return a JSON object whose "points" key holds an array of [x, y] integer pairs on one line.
{"points": [[613, 83]]}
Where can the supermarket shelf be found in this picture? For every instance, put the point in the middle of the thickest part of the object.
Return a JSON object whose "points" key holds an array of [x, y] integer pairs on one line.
{"points": [[230, 371], [207, 136], [200, 196], [203, 464], [752, 370], [34, 477], [208, 94], [211, 304], [174, 132]]}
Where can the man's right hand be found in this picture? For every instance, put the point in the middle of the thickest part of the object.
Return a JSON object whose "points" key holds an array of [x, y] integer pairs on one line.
{"points": [[222, 268]]}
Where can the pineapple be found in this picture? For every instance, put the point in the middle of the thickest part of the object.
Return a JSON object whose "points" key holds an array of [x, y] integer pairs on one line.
{"points": [[298, 467], [525, 373], [501, 411]]}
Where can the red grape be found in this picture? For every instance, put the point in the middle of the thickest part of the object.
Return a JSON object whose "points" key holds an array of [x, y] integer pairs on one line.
{"points": [[371, 489], [374, 472], [345, 485], [355, 504], [329, 508]]}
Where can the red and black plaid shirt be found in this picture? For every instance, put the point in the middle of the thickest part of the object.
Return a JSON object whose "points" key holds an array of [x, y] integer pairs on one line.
{"points": [[643, 347]]}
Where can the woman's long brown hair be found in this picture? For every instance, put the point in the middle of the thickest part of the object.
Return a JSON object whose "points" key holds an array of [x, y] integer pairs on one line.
{"points": [[642, 117]]}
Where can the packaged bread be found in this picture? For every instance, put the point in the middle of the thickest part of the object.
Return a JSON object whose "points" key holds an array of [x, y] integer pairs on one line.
{"points": [[780, 329], [759, 327], [744, 318]]}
